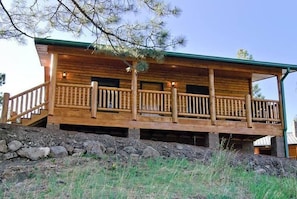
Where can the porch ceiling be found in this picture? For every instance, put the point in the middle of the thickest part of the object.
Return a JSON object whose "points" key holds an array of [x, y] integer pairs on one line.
{"points": [[258, 77]]}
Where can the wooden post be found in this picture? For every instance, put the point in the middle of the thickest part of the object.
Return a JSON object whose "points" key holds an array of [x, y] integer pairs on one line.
{"points": [[280, 98], [174, 105], [94, 99], [4, 114], [248, 105], [52, 85], [134, 92], [212, 104]]}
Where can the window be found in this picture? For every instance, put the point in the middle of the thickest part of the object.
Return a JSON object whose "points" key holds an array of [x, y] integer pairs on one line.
{"points": [[203, 90], [155, 86]]}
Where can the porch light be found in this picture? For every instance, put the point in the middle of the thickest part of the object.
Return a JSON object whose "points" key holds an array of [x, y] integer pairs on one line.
{"points": [[173, 84], [64, 75]]}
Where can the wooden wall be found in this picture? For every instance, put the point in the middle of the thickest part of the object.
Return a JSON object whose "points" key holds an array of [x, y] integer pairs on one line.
{"points": [[293, 151], [80, 70]]}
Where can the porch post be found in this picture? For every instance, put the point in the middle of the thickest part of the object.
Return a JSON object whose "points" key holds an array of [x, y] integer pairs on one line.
{"points": [[174, 105], [94, 100], [52, 85], [5, 107], [280, 98], [212, 105], [248, 105], [134, 91]]}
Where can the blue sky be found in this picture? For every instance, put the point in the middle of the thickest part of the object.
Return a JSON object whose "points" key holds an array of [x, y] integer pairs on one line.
{"points": [[267, 29]]}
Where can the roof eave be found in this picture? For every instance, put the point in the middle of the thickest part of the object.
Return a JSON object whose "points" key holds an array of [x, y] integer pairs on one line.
{"points": [[73, 44]]}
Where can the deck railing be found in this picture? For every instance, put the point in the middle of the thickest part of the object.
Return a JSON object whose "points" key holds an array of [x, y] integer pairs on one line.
{"points": [[24, 104], [193, 105], [114, 99], [230, 107], [265, 111], [149, 103], [73, 95], [155, 102]]}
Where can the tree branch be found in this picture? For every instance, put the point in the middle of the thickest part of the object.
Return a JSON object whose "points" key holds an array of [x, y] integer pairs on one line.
{"points": [[12, 22]]}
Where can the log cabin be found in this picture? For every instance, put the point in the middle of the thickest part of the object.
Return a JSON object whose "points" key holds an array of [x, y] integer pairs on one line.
{"points": [[188, 98]]}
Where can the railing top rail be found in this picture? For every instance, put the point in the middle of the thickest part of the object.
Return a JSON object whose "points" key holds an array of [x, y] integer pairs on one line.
{"points": [[228, 97], [74, 85], [265, 100], [29, 90], [152, 91], [193, 95], [114, 88]]}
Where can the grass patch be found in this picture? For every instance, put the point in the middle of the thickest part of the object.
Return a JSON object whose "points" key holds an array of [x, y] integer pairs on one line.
{"points": [[152, 178]]}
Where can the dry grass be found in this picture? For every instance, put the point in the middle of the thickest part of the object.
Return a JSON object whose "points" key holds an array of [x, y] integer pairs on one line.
{"points": [[159, 178]]}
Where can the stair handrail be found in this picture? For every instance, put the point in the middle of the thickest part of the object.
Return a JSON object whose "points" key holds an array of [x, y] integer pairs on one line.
{"points": [[19, 108]]}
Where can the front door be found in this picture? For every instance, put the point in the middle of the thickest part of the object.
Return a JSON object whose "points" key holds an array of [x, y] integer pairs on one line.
{"points": [[197, 104], [107, 98]]}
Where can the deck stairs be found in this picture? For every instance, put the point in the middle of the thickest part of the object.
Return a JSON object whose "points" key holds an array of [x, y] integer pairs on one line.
{"points": [[35, 118], [28, 108]]}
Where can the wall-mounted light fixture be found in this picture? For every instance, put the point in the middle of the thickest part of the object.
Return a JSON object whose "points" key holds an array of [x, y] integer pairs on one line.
{"points": [[173, 84], [64, 75]]}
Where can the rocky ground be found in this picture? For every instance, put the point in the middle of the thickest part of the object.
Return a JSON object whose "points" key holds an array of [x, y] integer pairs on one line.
{"points": [[23, 148]]}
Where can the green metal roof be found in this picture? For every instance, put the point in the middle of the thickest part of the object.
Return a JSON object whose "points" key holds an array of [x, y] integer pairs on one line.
{"points": [[75, 44]]}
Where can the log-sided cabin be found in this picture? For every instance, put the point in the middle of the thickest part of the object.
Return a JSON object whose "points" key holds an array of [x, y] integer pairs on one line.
{"points": [[187, 98]]}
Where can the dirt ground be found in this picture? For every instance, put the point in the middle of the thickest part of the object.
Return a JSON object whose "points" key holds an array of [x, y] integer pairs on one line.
{"points": [[122, 148]]}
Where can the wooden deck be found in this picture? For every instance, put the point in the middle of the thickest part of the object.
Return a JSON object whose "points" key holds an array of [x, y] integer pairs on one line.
{"points": [[94, 105], [113, 107]]}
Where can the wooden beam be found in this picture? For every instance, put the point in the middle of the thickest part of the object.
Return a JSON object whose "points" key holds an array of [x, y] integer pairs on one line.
{"points": [[248, 105], [52, 85], [134, 92], [212, 99], [174, 105], [94, 99], [4, 114]]}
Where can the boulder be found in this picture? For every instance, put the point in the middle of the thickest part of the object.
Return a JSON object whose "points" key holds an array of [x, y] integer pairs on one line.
{"points": [[14, 145], [10, 155], [150, 152], [34, 153], [110, 150], [68, 147], [77, 152], [58, 152], [94, 148], [3, 146], [179, 147], [130, 149]]}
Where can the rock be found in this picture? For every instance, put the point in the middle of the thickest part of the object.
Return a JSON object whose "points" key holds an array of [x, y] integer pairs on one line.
{"points": [[123, 154], [68, 147], [58, 152], [3, 146], [95, 148], [134, 156], [10, 155], [130, 149], [79, 150], [110, 150], [179, 147], [260, 171], [34, 153], [150, 152], [14, 145]]}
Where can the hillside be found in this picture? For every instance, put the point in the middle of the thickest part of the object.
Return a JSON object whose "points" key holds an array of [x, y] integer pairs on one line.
{"points": [[23, 150]]}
